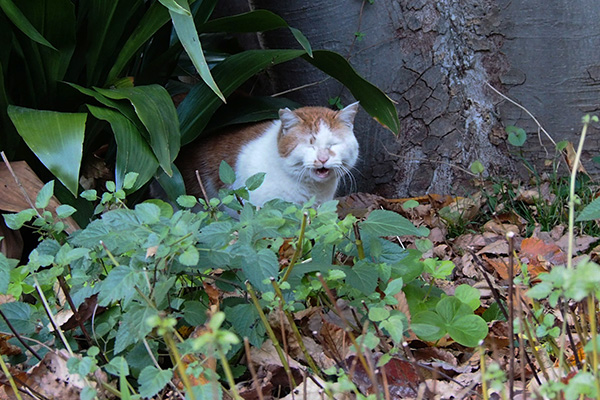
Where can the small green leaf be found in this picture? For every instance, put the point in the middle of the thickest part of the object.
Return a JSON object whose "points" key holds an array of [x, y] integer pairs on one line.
{"points": [[226, 173], [477, 167], [560, 146], [377, 314], [130, 179], [394, 325], [45, 194], [468, 295], [190, 257], [89, 195], [16, 221], [516, 136], [255, 181], [394, 287], [152, 380], [389, 223], [187, 201], [409, 204], [65, 211]]}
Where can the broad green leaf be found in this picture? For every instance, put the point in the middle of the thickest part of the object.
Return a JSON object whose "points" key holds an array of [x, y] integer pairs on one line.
{"points": [[55, 138], [590, 212], [468, 330], [428, 326], [226, 173], [21, 22], [45, 194], [468, 295], [200, 103], [450, 308], [173, 186], [187, 201], [152, 380], [389, 223], [119, 284], [172, 5], [154, 107], [362, 276], [394, 287], [245, 320], [148, 213], [255, 21], [260, 267], [20, 316], [188, 35], [156, 16], [133, 153], [106, 25], [195, 312], [371, 98]]}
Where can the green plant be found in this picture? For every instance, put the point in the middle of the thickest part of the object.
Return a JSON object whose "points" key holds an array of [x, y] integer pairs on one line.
{"points": [[95, 74], [146, 266]]}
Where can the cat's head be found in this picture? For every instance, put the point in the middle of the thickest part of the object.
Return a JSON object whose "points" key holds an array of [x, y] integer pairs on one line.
{"points": [[317, 143]]}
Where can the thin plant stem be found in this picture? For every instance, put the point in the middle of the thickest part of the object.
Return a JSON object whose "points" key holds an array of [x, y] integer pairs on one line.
{"points": [[591, 302], [178, 362], [358, 242], [271, 334], [228, 374], [298, 250], [252, 370], [359, 353], [484, 388], [7, 374], [511, 314], [574, 167], [309, 359]]}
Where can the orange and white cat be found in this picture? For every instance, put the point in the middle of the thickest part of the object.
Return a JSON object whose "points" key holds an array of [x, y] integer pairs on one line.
{"points": [[303, 154]]}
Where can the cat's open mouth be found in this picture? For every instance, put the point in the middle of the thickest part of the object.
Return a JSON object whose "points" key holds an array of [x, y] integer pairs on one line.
{"points": [[322, 173]]}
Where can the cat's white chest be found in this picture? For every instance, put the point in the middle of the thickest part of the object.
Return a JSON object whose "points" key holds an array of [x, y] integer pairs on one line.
{"points": [[261, 155]]}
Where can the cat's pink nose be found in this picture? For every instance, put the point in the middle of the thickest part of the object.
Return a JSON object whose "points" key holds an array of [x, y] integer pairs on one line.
{"points": [[323, 156]]}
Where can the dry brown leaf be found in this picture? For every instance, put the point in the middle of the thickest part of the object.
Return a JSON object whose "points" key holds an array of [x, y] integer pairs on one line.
{"points": [[402, 305], [540, 255], [499, 265], [12, 198], [500, 228], [498, 247]]}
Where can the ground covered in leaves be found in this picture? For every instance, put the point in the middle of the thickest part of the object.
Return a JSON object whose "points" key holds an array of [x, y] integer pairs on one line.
{"points": [[483, 244]]}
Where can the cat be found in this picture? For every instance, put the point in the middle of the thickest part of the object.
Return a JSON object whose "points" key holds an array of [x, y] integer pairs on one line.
{"points": [[303, 154]]}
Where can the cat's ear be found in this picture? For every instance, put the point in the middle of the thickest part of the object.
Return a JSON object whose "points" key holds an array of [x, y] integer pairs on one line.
{"points": [[288, 118], [347, 114]]}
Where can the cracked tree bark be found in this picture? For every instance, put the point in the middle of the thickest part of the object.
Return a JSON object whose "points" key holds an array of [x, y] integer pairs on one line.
{"points": [[435, 59]]}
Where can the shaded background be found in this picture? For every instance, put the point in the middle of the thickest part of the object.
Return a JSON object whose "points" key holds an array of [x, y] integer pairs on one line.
{"points": [[436, 59]]}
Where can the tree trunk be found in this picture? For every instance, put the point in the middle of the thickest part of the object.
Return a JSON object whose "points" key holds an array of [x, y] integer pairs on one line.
{"points": [[436, 59]]}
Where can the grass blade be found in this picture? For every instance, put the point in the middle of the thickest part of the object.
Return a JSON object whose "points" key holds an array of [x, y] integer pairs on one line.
{"points": [[16, 16], [187, 34]]}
